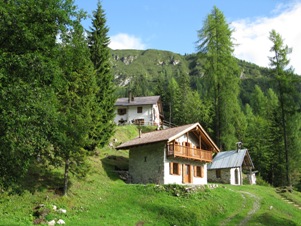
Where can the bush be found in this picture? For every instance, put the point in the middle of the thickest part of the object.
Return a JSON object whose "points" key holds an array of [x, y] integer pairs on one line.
{"points": [[260, 181]]}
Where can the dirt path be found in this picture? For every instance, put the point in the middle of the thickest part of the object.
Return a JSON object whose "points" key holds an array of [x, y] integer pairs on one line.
{"points": [[255, 208]]}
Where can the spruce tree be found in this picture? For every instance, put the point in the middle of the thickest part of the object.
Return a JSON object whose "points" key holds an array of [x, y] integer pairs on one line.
{"points": [[103, 112]]}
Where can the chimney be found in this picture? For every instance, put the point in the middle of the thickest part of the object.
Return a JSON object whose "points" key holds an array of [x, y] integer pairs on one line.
{"points": [[238, 146], [130, 96]]}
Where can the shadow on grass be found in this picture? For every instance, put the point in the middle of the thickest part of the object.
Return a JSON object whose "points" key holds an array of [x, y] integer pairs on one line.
{"points": [[40, 179], [114, 164], [173, 215], [268, 219]]}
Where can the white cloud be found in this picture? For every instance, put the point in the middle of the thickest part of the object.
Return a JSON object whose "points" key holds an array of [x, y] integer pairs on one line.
{"points": [[252, 36], [126, 41]]}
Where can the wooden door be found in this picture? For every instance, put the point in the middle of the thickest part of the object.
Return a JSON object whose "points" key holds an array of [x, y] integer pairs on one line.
{"points": [[187, 174]]}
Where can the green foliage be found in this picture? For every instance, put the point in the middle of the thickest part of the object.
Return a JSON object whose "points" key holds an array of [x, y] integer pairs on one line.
{"points": [[77, 97], [52, 103], [220, 78], [28, 69], [288, 94], [103, 109]]}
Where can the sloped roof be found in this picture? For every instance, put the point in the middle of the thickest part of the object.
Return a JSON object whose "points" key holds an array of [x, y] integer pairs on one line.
{"points": [[230, 159], [137, 101], [166, 135]]}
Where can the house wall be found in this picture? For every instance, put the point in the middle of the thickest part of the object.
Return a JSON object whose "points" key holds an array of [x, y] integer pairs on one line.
{"points": [[252, 178], [178, 179], [150, 114], [191, 139], [146, 164], [239, 175], [149, 164], [227, 176]]}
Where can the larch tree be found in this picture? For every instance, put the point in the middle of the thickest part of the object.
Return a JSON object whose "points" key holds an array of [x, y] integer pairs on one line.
{"points": [[285, 83], [103, 112], [77, 97], [221, 78]]}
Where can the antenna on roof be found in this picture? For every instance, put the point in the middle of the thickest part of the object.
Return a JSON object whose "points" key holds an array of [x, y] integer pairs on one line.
{"points": [[238, 145]]}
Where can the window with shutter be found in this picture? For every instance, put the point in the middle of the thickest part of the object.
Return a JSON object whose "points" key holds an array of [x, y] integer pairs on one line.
{"points": [[199, 171]]}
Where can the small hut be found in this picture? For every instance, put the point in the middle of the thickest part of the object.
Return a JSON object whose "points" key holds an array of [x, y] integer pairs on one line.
{"points": [[231, 167]]}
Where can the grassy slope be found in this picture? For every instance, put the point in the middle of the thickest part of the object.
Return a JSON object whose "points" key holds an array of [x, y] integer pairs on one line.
{"points": [[103, 199]]}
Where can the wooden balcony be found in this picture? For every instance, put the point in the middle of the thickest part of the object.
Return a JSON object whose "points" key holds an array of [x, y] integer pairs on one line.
{"points": [[187, 152]]}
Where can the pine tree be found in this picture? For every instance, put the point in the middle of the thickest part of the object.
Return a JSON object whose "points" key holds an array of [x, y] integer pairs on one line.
{"points": [[221, 78], [104, 109]]}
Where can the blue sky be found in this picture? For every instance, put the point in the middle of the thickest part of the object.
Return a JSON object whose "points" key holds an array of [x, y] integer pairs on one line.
{"points": [[172, 25]]}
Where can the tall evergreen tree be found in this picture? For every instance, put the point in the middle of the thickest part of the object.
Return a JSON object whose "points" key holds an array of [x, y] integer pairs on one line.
{"points": [[221, 78], [173, 100], [28, 67], [287, 93], [262, 135], [77, 96], [104, 109]]}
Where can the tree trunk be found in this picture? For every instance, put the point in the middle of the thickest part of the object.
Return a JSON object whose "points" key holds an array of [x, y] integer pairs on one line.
{"points": [[283, 119], [67, 163]]}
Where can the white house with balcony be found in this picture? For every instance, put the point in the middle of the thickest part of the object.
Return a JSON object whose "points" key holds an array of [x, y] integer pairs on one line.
{"points": [[139, 110], [176, 155]]}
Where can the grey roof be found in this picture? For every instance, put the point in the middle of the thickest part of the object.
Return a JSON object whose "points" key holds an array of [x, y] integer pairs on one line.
{"points": [[137, 101], [165, 135], [230, 159]]}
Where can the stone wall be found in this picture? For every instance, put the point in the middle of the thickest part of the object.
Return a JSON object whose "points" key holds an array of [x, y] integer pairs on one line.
{"points": [[225, 176], [146, 164]]}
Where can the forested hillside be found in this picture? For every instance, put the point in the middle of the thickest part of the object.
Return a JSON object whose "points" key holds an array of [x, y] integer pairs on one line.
{"points": [[131, 67], [180, 80], [58, 83]]}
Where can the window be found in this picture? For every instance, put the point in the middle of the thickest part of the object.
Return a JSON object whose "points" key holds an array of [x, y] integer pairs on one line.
{"points": [[139, 122], [174, 168], [139, 109], [199, 171], [121, 111], [218, 173]]}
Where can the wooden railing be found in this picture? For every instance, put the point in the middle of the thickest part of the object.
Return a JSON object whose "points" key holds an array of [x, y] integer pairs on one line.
{"points": [[176, 150]]}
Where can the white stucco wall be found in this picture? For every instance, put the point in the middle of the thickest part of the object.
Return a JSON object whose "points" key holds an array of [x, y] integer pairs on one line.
{"points": [[232, 176], [150, 114], [191, 139], [178, 179]]}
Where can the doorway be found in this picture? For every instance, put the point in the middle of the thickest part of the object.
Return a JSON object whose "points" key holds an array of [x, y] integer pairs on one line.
{"points": [[236, 174], [187, 174]]}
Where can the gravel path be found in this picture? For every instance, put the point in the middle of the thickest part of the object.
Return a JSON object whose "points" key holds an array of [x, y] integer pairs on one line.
{"points": [[255, 208]]}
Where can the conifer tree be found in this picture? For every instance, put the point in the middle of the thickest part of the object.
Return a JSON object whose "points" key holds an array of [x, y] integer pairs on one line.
{"points": [[221, 78], [77, 96], [287, 94], [104, 109], [28, 71]]}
